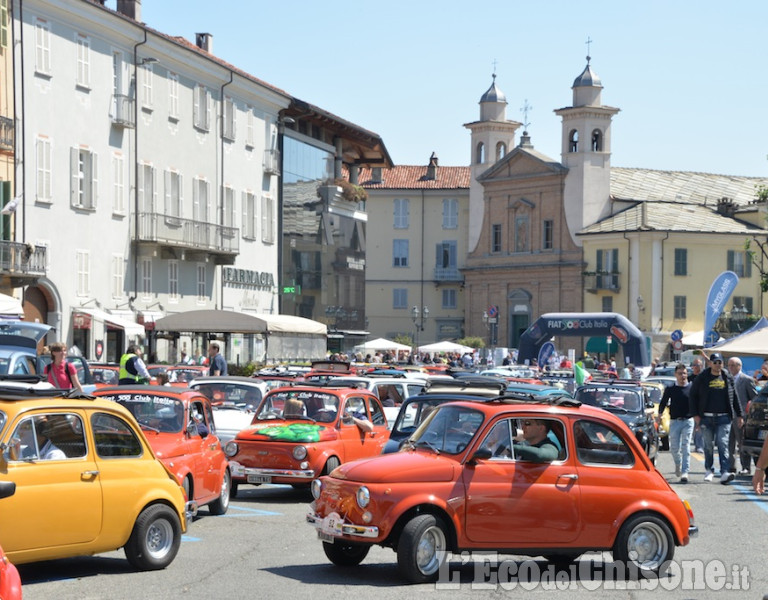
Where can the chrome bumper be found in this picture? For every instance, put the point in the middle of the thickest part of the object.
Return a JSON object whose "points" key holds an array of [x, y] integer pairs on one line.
{"points": [[693, 531], [242, 472], [343, 528], [190, 510]]}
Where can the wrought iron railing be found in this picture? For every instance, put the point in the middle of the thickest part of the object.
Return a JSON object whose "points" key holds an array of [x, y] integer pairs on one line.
{"points": [[186, 233]]}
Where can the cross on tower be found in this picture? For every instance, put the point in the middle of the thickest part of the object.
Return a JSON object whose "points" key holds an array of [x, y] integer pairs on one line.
{"points": [[525, 109], [494, 69], [588, 43]]}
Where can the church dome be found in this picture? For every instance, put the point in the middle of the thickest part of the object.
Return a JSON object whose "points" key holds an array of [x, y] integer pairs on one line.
{"points": [[494, 94], [588, 78]]}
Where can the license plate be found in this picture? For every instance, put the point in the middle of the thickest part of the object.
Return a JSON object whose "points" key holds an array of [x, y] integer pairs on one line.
{"points": [[762, 433], [259, 479], [331, 525], [325, 537]]}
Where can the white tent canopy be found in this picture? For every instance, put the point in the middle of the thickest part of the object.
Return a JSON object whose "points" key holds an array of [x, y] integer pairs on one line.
{"points": [[10, 306], [380, 344], [695, 338], [445, 346], [753, 342]]}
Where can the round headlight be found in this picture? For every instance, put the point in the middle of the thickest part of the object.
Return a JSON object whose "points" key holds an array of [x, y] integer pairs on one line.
{"points": [[230, 449], [317, 487], [363, 496], [300, 452]]}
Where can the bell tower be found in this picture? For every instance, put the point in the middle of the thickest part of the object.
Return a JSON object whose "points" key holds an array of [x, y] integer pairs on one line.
{"points": [[586, 152]]}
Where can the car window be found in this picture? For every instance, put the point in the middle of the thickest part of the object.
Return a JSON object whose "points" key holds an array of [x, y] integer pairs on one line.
{"points": [[113, 437], [499, 441], [449, 429], [56, 436], [377, 412], [599, 443], [356, 407], [413, 389]]}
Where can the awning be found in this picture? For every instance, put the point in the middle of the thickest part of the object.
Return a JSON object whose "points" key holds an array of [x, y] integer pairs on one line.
{"points": [[131, 328], [10, 307], [599, 344], [227, 321]]}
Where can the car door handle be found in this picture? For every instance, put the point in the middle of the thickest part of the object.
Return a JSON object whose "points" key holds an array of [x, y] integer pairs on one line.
{"points": [[89, 474], [571, 476]]}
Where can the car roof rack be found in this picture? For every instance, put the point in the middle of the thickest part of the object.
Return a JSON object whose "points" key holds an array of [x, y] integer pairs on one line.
{"points": [[478, 382], [524, 398]]}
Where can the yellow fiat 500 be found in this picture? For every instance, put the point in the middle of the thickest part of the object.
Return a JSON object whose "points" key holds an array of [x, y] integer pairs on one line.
{"points": [[86, 481]]}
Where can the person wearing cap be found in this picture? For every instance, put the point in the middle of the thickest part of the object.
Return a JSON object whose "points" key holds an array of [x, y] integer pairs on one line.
{"points": [[715, 406]]}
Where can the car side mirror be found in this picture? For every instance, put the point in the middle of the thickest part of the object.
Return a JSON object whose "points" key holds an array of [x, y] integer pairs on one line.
{"points": [[480, 454]]}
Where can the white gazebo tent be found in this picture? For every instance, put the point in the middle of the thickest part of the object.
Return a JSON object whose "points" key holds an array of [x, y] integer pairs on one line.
{"points": [[10, 307], [380, 345], [445, 346]]}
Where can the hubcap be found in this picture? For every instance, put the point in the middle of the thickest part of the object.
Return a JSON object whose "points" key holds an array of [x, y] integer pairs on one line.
{"points": [[647, 546], [159, 538], [430, 550]]}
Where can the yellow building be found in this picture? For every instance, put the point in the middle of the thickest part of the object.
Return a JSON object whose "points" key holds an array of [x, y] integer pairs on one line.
{"points": [[416, 247]]}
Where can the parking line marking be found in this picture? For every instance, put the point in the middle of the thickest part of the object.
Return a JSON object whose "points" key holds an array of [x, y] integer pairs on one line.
{"points": [[255, 511], [189, 538], [760, 501]]}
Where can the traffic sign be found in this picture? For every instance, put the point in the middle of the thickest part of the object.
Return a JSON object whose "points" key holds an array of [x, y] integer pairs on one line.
{"points": [[677, 345], [676, 335], [493, 311]]}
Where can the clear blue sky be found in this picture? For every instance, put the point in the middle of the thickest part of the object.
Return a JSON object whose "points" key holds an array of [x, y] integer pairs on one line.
{"points": [[689, 77]]}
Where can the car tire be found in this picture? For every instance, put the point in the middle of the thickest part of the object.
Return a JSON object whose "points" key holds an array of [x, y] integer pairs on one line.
{"points": [[422, 548], [344, 554], [221, 504], [644, 544], [332, 463], [155, 538]]}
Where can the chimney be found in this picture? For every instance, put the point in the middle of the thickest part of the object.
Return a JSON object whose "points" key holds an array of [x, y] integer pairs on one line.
{"points": [[726, 207], [130, 8], [432, 168], [204, 41], [376, 175]]}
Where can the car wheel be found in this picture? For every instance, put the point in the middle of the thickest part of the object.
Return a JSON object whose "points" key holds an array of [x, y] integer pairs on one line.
{"points": [[646, 542], [344, 554], [155, 538], [221, 504], [422, 548], [332, 463]]}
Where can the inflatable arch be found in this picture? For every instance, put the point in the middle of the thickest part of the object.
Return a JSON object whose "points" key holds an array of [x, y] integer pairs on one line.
{"points": [[549, 325]]}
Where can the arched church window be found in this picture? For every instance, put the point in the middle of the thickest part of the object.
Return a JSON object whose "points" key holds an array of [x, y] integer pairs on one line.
{"points": [[501, 150], [597, 141], [480, 154], [573, 140]]}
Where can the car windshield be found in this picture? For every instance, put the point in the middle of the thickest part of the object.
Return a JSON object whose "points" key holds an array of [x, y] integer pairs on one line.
{"points": [[153, 412], [448, 429], [612, 398], [413, 414], [182, 375], [299, 405], [101, 375], [241, 395]]}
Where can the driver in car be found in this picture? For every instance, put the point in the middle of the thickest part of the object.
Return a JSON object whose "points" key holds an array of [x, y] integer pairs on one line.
{"points": [[534, 445], [356, 415]]}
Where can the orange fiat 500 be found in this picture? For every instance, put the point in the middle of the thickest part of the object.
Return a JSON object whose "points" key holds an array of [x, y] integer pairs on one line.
{"points": [[508, 475], [300, 433], [179, 426]]}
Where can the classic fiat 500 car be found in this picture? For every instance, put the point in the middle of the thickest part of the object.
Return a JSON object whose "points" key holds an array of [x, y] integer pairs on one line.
{"points": [[631, 402], [179, 425], [10, 581], [87, 481], [234, 401], [299, 433], [582, 482]]}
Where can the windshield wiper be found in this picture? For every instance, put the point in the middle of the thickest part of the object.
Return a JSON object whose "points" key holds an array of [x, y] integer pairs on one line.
{"points": [[429, 444]]}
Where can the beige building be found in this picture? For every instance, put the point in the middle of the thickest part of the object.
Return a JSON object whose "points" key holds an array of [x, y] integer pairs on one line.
{"points": [[415, 251]]}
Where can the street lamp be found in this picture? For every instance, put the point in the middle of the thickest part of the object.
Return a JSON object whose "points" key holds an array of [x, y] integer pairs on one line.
{"points": [[419, 317], [491, 321]]}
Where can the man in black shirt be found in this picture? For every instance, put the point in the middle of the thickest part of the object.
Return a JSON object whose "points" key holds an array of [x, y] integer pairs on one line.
{"points": [[677, 398], [715, 406]]}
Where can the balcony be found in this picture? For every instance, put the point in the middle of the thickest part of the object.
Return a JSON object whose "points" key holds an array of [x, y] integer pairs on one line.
{"points": [[122, 111], [601, 280], [272, 162], [6, 134], [23, 263], [447, 274], [186, 234]]}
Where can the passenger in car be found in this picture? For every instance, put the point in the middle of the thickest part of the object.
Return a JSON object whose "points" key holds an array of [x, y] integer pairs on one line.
{"points": [[534, 444]]}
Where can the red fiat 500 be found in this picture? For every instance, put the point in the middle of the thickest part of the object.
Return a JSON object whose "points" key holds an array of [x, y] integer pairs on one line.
{"points": [[508, 475], [300, 433], [178, 423]]}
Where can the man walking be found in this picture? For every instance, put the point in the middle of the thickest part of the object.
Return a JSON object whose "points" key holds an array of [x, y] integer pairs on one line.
{"points": [[745, 389], [697, 366], [677, 397], [216, 363], [715, 407]]}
